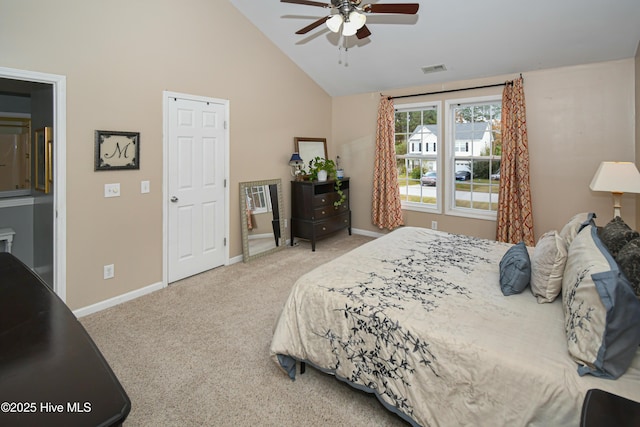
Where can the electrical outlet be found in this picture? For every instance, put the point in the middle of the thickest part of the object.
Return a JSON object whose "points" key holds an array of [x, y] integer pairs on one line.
{"points": [[112, 190], [434, 225], [286, 224], [109, 271]]}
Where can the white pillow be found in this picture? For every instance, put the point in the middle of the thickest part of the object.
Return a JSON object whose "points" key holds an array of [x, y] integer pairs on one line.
{"points": [[575, 224], [547, 266], [601, 311]]}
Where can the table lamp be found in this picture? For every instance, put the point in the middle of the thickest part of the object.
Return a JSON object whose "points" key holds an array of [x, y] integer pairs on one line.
{"points": [[618, 178], [296, 166]]}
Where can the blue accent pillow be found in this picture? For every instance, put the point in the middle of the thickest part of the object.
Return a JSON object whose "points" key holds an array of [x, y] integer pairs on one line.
{"points": [[515, 270]]}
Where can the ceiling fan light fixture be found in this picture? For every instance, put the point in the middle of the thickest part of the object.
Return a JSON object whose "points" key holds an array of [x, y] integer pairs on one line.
{"points": [[355, 22], [334, 23], [358, 19]]}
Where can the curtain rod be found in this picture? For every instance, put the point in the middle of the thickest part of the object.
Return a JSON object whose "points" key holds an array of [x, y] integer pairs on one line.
{"points": [[450, 90]]}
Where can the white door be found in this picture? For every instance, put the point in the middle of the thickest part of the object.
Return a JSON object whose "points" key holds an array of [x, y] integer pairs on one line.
{"points": [[196, 194]]}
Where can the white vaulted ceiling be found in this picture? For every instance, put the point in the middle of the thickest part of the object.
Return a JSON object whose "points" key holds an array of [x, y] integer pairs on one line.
{"points": [[471, 38]]}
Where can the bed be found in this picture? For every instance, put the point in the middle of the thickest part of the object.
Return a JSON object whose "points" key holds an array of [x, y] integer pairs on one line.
{"points": [[418, 318]]}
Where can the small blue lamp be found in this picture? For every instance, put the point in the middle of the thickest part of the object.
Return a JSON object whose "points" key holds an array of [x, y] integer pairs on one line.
{"points": [[296, 163]]}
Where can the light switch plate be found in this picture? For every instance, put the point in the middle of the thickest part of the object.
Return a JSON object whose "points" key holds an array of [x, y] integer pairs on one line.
{"points": [[144, 187], [109, 271], [112, 190]]}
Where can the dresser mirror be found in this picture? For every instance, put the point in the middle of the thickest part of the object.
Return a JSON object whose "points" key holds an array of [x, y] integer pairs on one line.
{"points": [[261, 220], [310, 148]]}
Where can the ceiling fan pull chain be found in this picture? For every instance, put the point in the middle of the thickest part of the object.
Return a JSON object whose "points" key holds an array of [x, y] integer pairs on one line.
{"points": [[340, 52], [346, 53]]}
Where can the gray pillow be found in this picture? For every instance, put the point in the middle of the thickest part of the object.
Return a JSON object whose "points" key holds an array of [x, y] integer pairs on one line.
{"points": [[616, 234], [515, 270], [629, 262]]}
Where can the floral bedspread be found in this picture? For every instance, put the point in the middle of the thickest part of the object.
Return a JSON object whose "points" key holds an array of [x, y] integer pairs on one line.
{"points": [[417, 317]]}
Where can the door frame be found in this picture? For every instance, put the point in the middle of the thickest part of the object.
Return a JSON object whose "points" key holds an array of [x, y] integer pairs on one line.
{"points": [[166, 96], [59, 84]]}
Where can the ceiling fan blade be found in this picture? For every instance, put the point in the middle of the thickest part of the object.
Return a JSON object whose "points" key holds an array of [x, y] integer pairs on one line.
{"points": [[404, 8], [307, 3], [363, 32], [313, 25]]}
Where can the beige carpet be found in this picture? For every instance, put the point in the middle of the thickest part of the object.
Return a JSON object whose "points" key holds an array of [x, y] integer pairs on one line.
{"points": [[197, 353]]}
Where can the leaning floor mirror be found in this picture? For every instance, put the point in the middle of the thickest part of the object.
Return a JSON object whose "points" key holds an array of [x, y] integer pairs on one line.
{"points": [[262, 224]]}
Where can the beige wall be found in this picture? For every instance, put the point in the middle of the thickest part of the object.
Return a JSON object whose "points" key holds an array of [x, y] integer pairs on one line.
{"points": [[576, 117], [118, 56]]}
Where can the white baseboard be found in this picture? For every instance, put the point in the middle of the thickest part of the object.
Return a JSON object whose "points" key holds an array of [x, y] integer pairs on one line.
{"points": [[111, 302], [366, 232], [236, 259]]}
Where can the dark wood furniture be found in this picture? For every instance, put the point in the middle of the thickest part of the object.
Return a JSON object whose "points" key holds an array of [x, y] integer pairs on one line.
{"points": [[51, 372], [313, 214], [604, 409]]}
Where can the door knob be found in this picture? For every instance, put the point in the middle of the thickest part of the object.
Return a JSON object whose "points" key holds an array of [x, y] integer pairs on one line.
{"points": [[174, 199]]}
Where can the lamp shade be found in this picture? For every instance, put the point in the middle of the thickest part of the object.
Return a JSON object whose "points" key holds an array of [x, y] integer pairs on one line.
{"points": [[295, 160], [616, 177], [355, 22], [334, 23]]}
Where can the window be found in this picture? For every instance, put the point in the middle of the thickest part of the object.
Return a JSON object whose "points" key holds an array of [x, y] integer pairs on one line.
{"points": [[417, 134], [468, 180], [258, 200], [477, 145]]}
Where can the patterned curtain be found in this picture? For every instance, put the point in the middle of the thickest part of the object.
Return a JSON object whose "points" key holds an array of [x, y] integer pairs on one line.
{"points": [[515, 220], [387, 209]]}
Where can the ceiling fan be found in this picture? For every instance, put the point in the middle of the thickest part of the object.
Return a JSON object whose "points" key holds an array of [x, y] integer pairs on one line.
{"points": [[351, 16]]}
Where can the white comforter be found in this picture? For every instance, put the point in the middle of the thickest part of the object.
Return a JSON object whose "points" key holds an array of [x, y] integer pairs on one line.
{"points": [[418, 318]]}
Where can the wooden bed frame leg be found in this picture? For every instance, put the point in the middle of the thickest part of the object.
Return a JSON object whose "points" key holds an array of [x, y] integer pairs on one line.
{"points": [[303, 367]]}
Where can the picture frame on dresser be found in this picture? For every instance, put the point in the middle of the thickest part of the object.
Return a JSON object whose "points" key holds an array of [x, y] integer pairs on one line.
{"points": [[309, 148]]}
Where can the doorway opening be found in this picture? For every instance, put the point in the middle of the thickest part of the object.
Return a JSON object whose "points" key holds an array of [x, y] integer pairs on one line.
{"points": [[44, 95]]}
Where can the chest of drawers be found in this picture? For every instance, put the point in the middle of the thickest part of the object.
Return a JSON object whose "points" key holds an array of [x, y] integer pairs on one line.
{"points": [[313, 214]]}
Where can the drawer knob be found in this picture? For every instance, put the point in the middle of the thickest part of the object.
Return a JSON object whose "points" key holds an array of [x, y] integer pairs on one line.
{"points": [[322, 212], [323, 200], [324, 228]]}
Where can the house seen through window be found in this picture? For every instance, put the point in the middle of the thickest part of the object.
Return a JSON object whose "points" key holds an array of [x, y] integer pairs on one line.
{"points": [[454, 164]]}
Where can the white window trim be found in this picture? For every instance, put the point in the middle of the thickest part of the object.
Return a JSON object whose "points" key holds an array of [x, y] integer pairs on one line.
{"points": [[449, 149], [423, 207]]}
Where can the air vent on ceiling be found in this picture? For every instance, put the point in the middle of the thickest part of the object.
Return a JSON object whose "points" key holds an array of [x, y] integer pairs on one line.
{"points": [[434, 69]]}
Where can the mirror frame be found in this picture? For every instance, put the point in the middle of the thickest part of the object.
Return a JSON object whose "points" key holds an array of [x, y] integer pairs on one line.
{"points": [[247, 256], [43, 151], [310, 147], [24, 123]]}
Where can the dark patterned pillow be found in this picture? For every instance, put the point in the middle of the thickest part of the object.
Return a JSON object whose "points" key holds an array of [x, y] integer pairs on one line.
{"points": [[629, 262], [616, 234]]}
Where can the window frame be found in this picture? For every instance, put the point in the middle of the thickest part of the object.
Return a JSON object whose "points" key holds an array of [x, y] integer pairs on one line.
{"points": [[419, 206], [449, 197]]}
